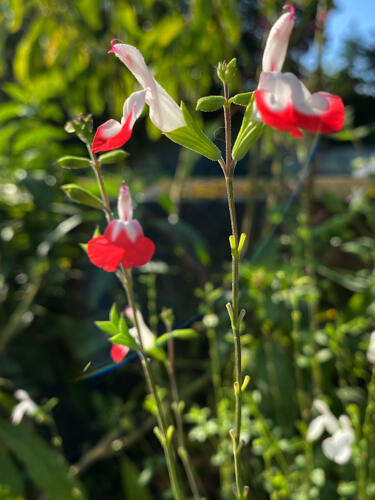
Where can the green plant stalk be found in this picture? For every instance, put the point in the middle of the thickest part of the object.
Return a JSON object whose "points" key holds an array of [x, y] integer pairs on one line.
{"points": [[177, 410], [167, 444], [228, 168], [126, 280]]}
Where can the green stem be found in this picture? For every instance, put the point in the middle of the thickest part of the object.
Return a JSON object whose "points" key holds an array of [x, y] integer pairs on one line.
{"points": [[233, 310], [126, 280], [177, 410], [167, 443]]}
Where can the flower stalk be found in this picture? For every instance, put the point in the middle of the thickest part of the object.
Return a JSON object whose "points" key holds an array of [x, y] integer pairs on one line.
{"points": [[233, 309], [163, 431]]}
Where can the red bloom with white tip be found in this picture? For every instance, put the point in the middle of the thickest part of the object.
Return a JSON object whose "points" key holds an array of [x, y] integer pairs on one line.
{"points": [[118, 352], [113, 134], [123, 242], [282, 101]]}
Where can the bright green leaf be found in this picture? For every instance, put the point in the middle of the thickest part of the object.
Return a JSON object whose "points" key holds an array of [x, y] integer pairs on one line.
{"points": [[107, 326], [82, 196], [210, 103], [71, 162], [113, 156]]}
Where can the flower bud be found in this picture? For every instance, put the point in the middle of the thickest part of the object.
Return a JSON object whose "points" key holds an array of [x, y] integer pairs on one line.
{"points": [[124, 204]]}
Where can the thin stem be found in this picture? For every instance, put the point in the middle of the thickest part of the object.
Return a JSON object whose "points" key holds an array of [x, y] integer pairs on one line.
{"points": [[167, 445], [177, 410], [98, 174], [233, 310], [126, 279]]}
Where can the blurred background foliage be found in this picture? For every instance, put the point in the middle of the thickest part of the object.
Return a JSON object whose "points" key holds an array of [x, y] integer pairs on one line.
{"points": [[310, 296]]}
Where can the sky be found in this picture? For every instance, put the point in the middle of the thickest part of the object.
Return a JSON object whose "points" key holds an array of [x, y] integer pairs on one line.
{"points": [[355, 17]]}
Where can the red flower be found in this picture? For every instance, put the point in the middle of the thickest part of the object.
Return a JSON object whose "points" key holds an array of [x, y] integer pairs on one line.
{"points": [[118, 352], [113, 134], [282, 101], [123, 242]]}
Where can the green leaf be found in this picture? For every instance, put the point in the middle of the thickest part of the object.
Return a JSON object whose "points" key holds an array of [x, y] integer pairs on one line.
{"points": [[192, 137], [113, 315], [184, 334], [122, 326], [210, 103], [130, 482], [241, 99], [113, 156], [43, 465], [10, 478], [157, 353], [73, 162], [127, 340], [82, 196], [107, 326], [249, 133]]}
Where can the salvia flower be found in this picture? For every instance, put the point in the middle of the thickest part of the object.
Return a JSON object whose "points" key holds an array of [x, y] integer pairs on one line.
{"points": [[164, 112], [338, 447], [123, 242], [282, 100], [26, 406], [118, 352]]}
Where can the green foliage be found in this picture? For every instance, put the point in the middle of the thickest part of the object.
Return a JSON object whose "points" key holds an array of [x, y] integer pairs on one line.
{"points": [[210, 103], [82, 196], [44, 466]]}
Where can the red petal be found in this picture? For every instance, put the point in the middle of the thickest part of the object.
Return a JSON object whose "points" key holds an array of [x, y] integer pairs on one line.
{"points": [[104, 254], [138, 253], [327, 122], [118, 352], [290, 119], [103, 143]]}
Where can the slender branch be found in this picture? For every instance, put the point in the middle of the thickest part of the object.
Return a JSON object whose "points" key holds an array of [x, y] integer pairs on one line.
{"points": [[165, 441], [233, 311], [177, 406]]}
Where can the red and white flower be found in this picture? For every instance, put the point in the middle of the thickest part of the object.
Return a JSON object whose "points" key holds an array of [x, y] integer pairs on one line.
{"points": [[118, 352], [123, 242], [113, 134], [164, 112], [282, 101]]}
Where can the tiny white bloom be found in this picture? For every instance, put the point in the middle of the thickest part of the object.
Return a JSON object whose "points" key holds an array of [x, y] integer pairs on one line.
{"points": [[26, 406], [371, 349], [338, 447]]}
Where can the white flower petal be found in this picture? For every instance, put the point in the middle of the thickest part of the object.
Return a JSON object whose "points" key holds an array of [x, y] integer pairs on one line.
{"points": [[164, 112], [277, 42], [148, 338], [316, 428], [338, 447], [135, 101]]}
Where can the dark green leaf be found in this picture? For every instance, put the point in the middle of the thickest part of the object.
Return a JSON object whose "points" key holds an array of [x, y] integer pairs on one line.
{"points": [[130, 482], [10, 478], [43, 465]]}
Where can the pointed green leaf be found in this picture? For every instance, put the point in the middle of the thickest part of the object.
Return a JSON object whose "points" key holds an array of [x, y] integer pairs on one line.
{"points": [[157, 353], [107, 326], [183, 334], [123, 327], [82, 196], [192, 137], [249, 133], [132, 487], [113, 156], [113, 315], [73, 162], [210, 103], [241, 99], [123, 339]]}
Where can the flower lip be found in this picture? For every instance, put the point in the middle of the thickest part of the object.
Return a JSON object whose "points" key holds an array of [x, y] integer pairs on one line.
{"points": [[112, 49], [287, 6]]}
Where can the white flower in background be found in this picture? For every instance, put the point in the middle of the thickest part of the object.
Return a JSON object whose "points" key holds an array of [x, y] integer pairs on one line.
{"points": [[371, 349], [338, 447], [26, 406]]}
